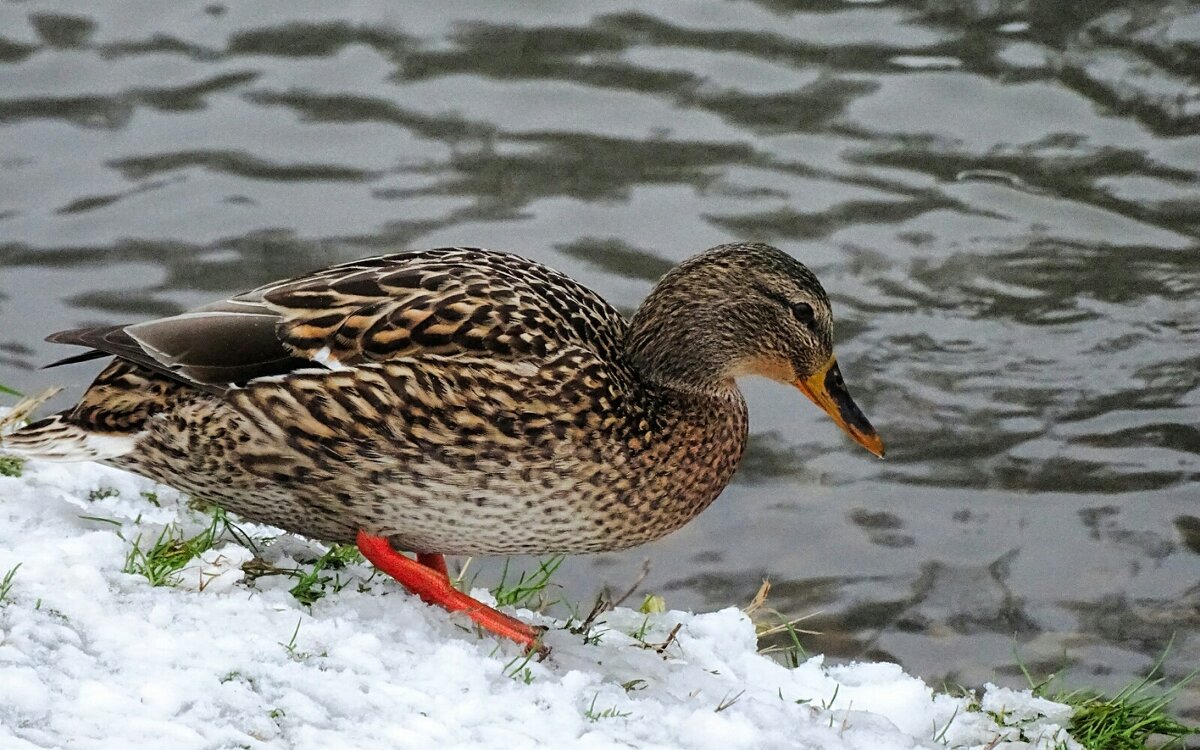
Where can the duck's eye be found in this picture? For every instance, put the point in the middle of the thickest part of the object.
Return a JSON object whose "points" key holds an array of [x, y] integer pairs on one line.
{"points": [[803, 312]]}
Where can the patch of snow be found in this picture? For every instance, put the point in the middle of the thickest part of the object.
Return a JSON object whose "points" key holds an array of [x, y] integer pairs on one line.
{"points": [[91, 657]]}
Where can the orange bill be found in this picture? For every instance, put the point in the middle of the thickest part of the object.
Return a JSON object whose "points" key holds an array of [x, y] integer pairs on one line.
{"points": [[827, 390]]}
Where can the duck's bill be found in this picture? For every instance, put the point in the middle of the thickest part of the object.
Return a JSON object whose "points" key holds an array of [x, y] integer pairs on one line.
{"points": [[827, 390]]}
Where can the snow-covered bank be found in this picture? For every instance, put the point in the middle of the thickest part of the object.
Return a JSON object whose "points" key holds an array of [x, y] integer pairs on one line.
{"points": [[92, 657]]}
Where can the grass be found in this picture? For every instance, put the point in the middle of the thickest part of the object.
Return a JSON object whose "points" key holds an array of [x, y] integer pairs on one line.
{"points": [[102, 493], [793, 654], [1134, 719], [607, 713], [517, 668], [313, 583], [311, 586], [290, 646], [6, 584], [940, 736], [728, 701], [528, 585], [172, 551], [590, 626], [1128, 721], [11, 466]]}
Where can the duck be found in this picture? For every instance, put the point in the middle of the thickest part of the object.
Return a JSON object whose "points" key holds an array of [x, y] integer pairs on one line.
{"points": [[456, 401]]}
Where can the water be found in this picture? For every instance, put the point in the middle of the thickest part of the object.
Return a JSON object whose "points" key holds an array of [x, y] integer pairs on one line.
{"points": [[1002, 197]]}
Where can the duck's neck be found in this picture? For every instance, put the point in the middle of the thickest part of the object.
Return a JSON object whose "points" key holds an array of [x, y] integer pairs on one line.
{"points": [[685, 344]]}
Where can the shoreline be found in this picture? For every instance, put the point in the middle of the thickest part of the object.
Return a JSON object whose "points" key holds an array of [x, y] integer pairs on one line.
{"points": [[94, 655]]}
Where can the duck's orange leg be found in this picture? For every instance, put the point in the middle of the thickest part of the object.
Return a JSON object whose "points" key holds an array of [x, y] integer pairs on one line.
{"points": [[434, 561], [426, 577]]}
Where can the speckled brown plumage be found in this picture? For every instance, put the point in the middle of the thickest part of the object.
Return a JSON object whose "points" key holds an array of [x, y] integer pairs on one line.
{"points": [[456, 400]]}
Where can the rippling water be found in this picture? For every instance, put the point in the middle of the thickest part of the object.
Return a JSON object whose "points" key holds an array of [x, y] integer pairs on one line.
{"points": [[1003, 198]]}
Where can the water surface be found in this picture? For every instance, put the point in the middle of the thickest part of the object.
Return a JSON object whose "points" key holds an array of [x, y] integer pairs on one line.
{"points": [[1003, 199]]}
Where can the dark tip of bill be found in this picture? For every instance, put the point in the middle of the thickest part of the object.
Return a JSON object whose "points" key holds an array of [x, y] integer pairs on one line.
{"points": [[846, 407]]}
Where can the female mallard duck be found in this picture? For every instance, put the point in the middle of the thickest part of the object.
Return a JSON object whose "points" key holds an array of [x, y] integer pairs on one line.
{"points": [[456, 401]]}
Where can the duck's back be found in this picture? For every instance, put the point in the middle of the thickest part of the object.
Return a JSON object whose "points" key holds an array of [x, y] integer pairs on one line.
{"points": [[448, 301]]}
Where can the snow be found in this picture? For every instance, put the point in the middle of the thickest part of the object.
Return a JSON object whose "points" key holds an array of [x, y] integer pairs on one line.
{"points": [[92, 657]]}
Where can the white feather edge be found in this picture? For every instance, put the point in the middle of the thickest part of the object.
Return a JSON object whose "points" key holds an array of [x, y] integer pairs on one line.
{"points": [[71, 444]]}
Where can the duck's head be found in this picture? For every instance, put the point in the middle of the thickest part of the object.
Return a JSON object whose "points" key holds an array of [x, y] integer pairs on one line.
{"points": [[745, 309]]}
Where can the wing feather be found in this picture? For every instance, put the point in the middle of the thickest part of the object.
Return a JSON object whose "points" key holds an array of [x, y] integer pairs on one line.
{"points": [[445, 302]]}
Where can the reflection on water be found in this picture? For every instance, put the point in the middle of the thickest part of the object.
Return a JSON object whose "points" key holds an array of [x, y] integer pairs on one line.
{"points": [[1002, 197]]}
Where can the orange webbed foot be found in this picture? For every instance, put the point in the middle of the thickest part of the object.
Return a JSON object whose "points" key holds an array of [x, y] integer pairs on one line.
{"points": [[427, 578]]}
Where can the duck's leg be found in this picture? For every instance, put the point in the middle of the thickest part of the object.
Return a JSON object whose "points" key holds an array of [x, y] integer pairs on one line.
{"points": [[434, 561], [426, 577]]}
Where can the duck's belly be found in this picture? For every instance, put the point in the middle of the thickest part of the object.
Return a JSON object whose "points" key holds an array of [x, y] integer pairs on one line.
{"points": [[434, 507], [570, 497], [447, 480]]}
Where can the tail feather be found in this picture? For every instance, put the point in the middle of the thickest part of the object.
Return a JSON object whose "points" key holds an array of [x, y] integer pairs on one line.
{"points": [[108, 421], [56, 439]]}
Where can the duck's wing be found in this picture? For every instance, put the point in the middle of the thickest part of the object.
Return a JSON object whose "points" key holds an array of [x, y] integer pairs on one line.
{"points": [[449, 302], [212, 349]]}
